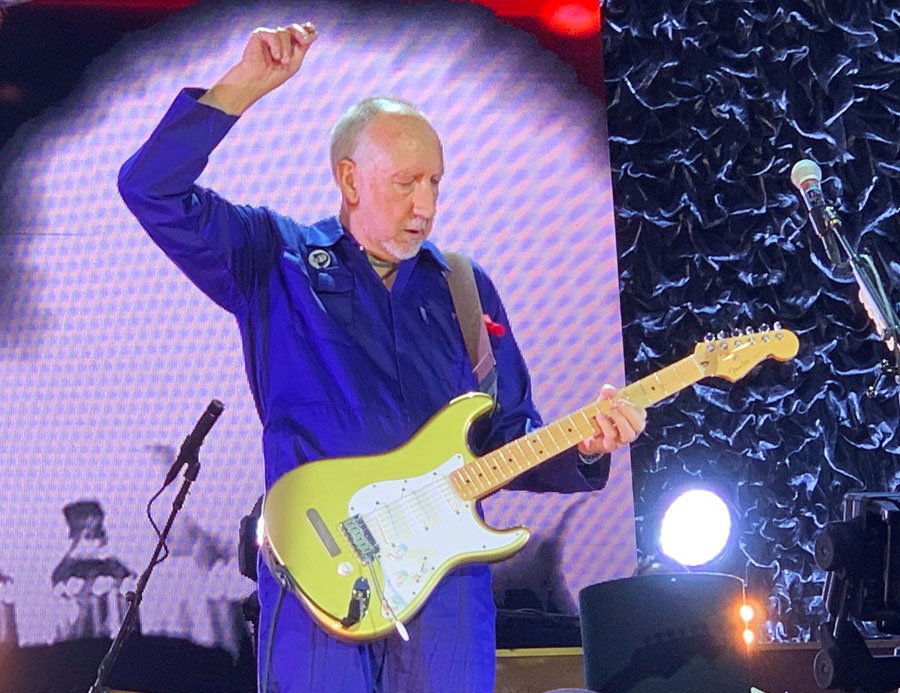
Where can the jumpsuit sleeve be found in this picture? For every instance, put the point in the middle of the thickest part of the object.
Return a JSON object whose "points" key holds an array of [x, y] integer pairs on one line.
{"points": [[516, 415], [221, 247]]}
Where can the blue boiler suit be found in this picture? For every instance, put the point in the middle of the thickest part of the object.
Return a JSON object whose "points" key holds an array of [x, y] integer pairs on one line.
{"points": [[340, 366]]}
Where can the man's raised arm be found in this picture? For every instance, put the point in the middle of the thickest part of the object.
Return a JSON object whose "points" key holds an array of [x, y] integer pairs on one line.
{"points": [[223, 248], [271, 57]]}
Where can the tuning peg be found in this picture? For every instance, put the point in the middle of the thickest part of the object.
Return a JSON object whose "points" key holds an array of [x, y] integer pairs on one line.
{"points": [[708, 337], [721, 334], [776, 325], [737, 332], [764, 327], [748, 331]]}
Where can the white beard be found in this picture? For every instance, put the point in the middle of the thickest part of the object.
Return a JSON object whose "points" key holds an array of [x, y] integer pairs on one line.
{"points": [[402, 252]]}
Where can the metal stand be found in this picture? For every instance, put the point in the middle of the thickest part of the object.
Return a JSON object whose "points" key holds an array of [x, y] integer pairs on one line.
{"points": [[134, 598], [874, 300]]}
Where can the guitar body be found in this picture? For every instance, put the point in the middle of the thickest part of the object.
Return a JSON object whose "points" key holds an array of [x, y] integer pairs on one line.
{"points": [[394, 519]]}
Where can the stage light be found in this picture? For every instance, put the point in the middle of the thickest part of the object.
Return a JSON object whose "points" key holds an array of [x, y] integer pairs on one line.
{"points": [[747, 613], [571, 17], [695, 528]]}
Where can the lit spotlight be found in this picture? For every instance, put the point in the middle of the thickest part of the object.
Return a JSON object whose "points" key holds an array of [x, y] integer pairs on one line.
{"points": [[746, 612], [749, 636], [695, 528]]}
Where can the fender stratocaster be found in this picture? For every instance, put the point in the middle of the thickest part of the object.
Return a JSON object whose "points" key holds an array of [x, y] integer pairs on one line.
{"points": [[362, 541]]}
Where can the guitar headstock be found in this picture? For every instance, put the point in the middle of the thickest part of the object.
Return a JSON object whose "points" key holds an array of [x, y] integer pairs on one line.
{"points": [[733, 357]]}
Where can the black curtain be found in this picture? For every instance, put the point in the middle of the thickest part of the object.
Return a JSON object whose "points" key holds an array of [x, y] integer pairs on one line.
{"points": [[710, 104]]}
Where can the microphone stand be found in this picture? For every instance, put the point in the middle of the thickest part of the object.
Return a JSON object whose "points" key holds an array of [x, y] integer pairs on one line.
{"points": [[874, 300], [134, 598]]}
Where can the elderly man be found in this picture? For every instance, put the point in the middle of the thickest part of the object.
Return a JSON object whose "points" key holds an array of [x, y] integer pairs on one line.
{"points": [[351, 344]]}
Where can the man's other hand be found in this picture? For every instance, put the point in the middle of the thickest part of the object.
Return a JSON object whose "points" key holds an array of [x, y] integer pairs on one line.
{"points": [[616, 429]]}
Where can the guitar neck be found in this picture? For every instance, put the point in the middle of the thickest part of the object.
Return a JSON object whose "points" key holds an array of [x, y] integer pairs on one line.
{"points": [[487, 474]]}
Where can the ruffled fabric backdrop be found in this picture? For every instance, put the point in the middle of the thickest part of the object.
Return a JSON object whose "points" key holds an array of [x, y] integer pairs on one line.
{"points": [[710, 104]]}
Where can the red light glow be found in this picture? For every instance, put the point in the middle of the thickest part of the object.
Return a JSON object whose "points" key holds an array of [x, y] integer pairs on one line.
{"points": [[571, 17]]}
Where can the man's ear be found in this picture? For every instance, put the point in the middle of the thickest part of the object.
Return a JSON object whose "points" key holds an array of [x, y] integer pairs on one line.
{"points": [[347, 180]]}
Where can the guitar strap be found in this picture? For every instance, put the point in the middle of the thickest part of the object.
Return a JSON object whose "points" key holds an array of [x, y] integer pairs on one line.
{"points": [[470, 314]]}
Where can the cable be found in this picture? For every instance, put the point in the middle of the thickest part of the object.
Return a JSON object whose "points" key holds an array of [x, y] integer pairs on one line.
{"points": [[155, 528], [270, 640], [376, 685]]}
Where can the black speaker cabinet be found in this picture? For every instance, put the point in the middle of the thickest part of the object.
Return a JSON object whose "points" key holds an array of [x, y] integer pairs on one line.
{"points": [[665, 633]]}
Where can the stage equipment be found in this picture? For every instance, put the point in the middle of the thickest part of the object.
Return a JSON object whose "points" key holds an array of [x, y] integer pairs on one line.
{"points": [[862, 557], [695, 527], [665, 633], [189, 456], [806, 175], [249, 539]]}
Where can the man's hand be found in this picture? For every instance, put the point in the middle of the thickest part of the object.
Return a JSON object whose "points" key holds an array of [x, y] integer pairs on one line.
{"points": [[271, 57], [621, 426]]}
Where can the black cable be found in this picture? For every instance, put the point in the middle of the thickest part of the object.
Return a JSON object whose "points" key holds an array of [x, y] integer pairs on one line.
{"points": [[155, 528], [377, 683], [270, 640]]}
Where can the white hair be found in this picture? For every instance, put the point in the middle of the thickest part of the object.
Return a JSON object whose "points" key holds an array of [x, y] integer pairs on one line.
{"points": [[348, 130]]}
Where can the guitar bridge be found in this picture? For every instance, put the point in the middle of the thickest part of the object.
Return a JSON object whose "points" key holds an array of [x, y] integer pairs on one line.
{"points": [[360, 538]]}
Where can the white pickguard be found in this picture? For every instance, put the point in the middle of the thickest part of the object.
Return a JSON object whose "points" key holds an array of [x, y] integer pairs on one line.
{"points": [[420, 523]]}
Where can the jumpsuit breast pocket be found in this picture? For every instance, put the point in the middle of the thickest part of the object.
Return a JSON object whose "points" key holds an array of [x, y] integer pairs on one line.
{"points": [[323, 300], [336, 291]]}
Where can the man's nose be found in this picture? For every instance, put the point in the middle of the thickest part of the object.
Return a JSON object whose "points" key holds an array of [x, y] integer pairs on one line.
{"points": [[425, 199]]}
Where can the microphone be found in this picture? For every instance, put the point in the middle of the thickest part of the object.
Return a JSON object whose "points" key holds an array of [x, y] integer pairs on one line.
{"points": [[807, 178], [191, 445]]}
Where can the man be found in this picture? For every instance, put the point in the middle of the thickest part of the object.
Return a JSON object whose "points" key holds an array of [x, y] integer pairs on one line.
{"points": [[351, 344]]}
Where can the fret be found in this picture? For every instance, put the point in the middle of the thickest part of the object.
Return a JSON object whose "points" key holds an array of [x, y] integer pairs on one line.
{"points": [[700, 372], [509, 458], [572, 427], [591, 425], [474, 471], [688, 379], [529, 442], [542, 434], [499, 465], [636, 394], [466, 478], [486, 471], [490, 470], [550, 429], [518, 444]]}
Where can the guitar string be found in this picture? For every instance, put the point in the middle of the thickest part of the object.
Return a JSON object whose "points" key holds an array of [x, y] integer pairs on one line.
{"points": [[429, 498], [423, 504]]}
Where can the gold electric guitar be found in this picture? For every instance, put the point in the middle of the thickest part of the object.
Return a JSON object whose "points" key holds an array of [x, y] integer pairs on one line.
{"points": [[362, 541]]}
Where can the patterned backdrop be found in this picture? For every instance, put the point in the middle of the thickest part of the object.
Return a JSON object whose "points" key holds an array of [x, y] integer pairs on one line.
{"points": [[710, 104], [108, 354]]}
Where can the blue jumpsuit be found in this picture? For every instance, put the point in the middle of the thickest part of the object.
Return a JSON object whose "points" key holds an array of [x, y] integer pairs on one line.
{"points": [[339, 366]]}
